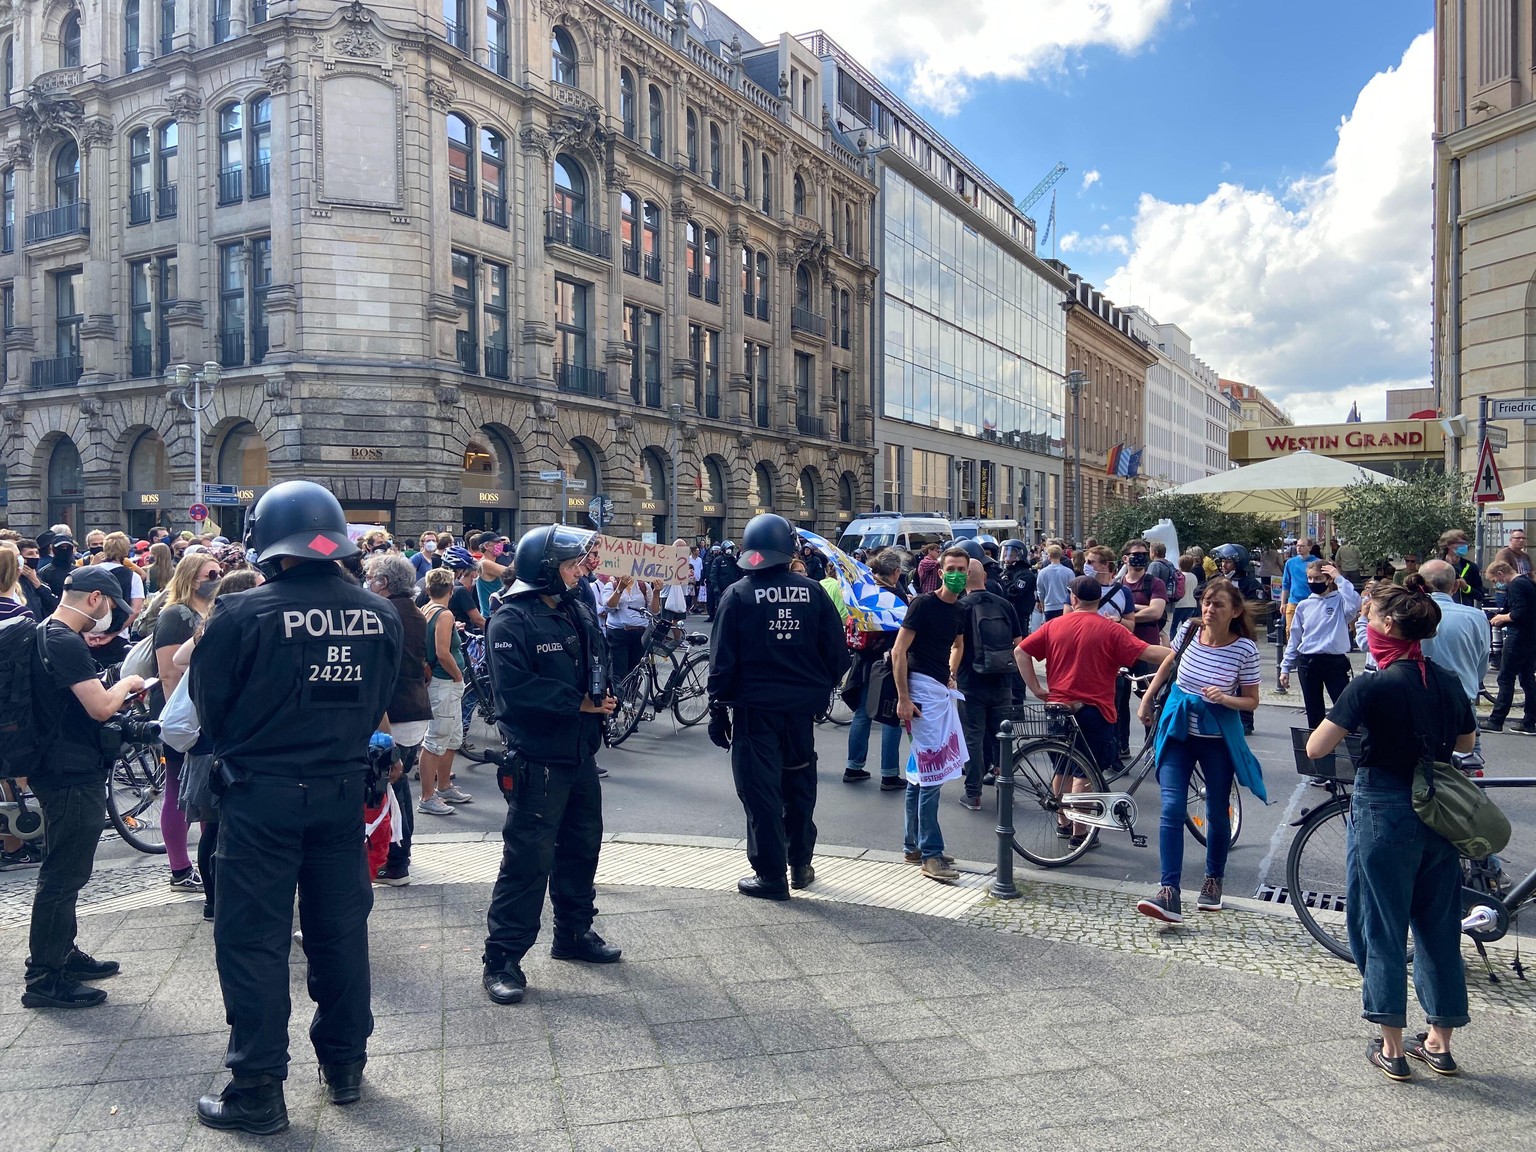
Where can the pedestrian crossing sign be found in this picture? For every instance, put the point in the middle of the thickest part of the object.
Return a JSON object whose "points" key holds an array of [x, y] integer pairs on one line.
{"points": [[1487, 487]]}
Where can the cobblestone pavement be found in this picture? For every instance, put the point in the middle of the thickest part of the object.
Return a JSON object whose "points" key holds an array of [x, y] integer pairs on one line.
{"points": [[1060, 1021]]}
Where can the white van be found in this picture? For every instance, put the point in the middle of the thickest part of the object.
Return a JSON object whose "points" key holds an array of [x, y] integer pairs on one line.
{"points": [[999, 529], [894, 529]]}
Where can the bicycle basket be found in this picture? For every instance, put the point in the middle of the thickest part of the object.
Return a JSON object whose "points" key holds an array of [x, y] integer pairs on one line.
{"points": [[1040, 721], [662, 636], [1337, 765]]}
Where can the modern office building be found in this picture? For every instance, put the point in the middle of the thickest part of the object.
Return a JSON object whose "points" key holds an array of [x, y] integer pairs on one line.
{"points": [[1187, 415], [969, 328], [432, 252], [1411, 403], [1255, 409]]}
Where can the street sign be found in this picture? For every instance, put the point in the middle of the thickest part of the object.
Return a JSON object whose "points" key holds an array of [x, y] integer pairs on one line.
{"points": [[198, 512], [1498, 436], [600, 509], [220, 490], [576, 485], [551, 475], [1487, 487], [1522, 409]]}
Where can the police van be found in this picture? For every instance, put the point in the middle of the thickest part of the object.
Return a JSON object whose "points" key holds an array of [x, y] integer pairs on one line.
{"points": [[999, 530], [909, 530]]}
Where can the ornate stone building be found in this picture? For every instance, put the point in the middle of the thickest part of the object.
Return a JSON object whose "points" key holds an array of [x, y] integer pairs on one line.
{"points": [[433, 253]]}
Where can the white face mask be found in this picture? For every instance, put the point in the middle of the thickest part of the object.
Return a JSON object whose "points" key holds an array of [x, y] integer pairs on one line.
{"points": [[98, 623], [429, 546]]}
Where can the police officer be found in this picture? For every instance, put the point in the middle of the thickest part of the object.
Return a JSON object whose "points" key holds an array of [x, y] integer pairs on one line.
{"points": [[548, 667], [290, 681], [777, 651]]}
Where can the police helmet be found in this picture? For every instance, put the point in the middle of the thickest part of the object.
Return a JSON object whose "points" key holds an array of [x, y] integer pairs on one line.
{"points": [[728, 546], [1233, 552], [298, 518], [1010, 546], [768, 542], [540, 552], [972, 549], [458, 559]]}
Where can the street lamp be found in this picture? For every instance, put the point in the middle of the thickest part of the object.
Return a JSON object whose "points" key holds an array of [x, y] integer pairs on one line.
{"points": [[675, 418], [178, 378], [1075, 381]]}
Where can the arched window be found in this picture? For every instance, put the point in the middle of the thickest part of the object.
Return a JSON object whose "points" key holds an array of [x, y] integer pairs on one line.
{"points": [[8, 72], [693, 141], [837, 224], [167, 137], [66, 174], [760, 492], [461, 174], [628, 114], [243, 458], [803, 287], [231, 152], [259, 146], [570, 189], [66, 484], [629, 232], [711, 265], [808, 486], [799, 195], [658, 123], [587, 467], [715, 160], [456, 23], [148, 468], [563, 58], [746, 172], [138, 176], [848, 229], [8, 214], [694, 257], [496, 36], [69, 41], [493, 177], [655, 473], [845, 318], [131, 35], [845, 494], [650, 239], [714, 481], [767, 184], [763, 263]]}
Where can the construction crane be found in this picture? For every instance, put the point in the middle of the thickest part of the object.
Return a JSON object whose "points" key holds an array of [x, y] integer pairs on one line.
{"points": [[1050, 224], [1043, 187]]}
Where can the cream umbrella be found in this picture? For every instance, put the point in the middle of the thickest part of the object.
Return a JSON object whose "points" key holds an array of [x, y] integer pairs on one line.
{"points": [[1516, 496], [1285, 486]]}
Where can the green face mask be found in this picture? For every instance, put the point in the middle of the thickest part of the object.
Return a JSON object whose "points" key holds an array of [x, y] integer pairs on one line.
{"points": [[955, 582]]}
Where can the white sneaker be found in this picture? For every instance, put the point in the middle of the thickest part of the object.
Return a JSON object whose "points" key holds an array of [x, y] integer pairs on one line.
{"points": [[453, 794], [433, 806]]}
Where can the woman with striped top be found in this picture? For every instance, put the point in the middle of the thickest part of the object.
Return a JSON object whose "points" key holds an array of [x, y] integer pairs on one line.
{"points": [[1215, 672]]}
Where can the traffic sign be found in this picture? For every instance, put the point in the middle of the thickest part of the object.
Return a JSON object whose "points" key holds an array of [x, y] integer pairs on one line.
{"points": [[199, 512], [600, 509], [1498, 436], [1523, 408], [1487, 487], [551, 475]]}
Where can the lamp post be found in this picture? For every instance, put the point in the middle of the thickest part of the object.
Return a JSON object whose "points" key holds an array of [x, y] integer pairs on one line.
{"points": [[675, 418], [1075, 381], [179, 377]]}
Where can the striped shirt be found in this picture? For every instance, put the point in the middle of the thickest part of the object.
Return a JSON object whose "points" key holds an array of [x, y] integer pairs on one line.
{"points": [[1228, 667]]}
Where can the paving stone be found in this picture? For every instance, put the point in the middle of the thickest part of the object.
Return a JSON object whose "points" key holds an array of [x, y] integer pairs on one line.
{"points": [[801, 1031], [698, 1041], [610, 1097], [669, 1134], [764, 1128], [506, 1106], [889, 1023], [870, 1122], [723, 1084], [833, 1072], [137, 1103]]}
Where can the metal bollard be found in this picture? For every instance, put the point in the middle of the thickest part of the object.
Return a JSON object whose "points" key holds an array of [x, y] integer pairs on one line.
{"points": [[1003, 887]]}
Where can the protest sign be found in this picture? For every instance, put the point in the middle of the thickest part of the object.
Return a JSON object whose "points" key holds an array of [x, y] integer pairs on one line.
{"points": [[620, 557]]}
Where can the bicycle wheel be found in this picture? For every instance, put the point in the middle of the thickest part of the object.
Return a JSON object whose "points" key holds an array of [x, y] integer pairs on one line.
{"points": [[1040, 769], [1316, 876], [1195, 821], [631, 695], [135, 793], [690, 697], [839, 713]]}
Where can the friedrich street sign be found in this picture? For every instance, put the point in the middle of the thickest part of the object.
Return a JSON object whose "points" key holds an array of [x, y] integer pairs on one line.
{"points": [[1523, 408]]}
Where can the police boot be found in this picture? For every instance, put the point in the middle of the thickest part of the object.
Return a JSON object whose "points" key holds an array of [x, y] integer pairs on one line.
{"points": [[505, 985], [755, 885], [801, 875], [589, 946], [251, 1104], [343, 1082]]}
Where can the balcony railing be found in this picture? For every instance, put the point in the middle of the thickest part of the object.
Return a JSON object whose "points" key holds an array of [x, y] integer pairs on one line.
{"points": [[581, 380], [845, 430], [653, 268], [57, 372], [712, 290], [844, 338], [461, 196], [804, 320], [232, 349], [468, 352], [496, 60], [65, 220], [493, 209], [712, 406], [166, 39], [496, 361], [762, 307], [258, 11], [131, 60], [810, 425], [220, 29], [165, 201], [653, 393], [748, 303], [138, 207], [695, 284], [455, 35], [763, 420], [631, 259], [560, 228], [141, 361], [230, 185], [258, 343], [7, 238], [261, 179]]}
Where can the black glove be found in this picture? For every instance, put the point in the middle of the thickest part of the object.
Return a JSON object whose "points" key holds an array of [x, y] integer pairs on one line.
{"points": [[720, 726]]}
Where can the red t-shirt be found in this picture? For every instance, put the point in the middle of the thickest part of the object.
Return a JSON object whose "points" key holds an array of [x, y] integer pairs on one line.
{"points": [[1083, 651]]}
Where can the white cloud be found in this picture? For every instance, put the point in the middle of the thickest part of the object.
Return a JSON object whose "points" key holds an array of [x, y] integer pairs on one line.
{"points": [[1090, 178], [1320, 294], [1095, 245], [939, 49]]}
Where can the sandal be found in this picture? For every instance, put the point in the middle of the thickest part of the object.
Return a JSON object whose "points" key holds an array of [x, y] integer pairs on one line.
{"points": [[1441, 1062], [1393, 1067]]}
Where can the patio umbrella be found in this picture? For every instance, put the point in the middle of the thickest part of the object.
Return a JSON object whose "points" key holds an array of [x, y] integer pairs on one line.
{"points": [[1516, 496], [1287, 485]]}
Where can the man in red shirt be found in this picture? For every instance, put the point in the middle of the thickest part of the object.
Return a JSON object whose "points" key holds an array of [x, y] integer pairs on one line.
{"points": [[1083, 654]]}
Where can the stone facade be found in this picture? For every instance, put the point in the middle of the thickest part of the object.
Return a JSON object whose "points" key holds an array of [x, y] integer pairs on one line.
{"points": [[406, 243], [1256, 410]]}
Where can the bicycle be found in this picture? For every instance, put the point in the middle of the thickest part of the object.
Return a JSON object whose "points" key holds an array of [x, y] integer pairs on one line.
{"points": [[641, 694], [837, 711], [1316, 875], [136, 780], [1049, 752]]}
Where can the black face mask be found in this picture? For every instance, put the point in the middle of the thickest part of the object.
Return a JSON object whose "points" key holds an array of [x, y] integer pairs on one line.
{"points": [[31, 562], [1318, 587], [1137, 560]]}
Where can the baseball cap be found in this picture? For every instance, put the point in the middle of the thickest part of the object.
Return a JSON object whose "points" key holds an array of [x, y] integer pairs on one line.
{"points": [[95, 578], [1086, 588]]}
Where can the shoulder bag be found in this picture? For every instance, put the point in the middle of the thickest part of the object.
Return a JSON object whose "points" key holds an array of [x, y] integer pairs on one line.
{"points": [[881, 697], [1454, 805]]}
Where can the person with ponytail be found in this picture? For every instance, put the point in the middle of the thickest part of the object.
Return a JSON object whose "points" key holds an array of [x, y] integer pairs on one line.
{"points": [[1401, 873]]}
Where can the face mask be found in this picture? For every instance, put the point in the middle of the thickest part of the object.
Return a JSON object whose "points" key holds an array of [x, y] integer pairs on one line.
{"points": [[206, 589], [955, 582], [429, 546], [1137, 560], [98, 623], [1461, 549], [31, 562], [1318, 587]]}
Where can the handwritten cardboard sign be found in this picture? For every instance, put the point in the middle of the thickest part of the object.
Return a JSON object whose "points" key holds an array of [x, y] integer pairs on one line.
{"points": [[620, 557]]}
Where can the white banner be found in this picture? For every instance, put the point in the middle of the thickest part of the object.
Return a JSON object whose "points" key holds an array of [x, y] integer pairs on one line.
{"points": [[665, 562]]}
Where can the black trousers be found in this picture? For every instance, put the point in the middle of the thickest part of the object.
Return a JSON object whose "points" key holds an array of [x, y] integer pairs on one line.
{"points": [[624, 650], [551, 838], [773, 761], [1326, 670], [277, 836], [75, 815], [979, 720], [400, 854], [1516, 664]]}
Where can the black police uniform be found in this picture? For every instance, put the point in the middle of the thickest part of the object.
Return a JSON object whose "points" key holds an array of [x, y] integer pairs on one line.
{"points": [[541, 661], [776, 653], [290, 681]]}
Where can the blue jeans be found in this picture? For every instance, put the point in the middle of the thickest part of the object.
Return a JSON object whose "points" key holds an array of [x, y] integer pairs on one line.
{"points": [[467, 705], [858, 742], [1173, 774], [1401, 874], [922, 827]]}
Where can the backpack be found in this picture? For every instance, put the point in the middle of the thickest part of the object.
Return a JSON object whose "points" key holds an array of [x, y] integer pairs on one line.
{"points": [[20, 738], [991, 638], [1180, 579]]}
